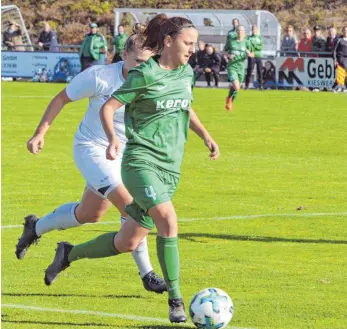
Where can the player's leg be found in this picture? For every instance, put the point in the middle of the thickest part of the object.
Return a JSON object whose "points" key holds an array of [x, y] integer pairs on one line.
{"points": [[250, 68], [120, 198], [127, 239], [91, 209], [152, 191]]}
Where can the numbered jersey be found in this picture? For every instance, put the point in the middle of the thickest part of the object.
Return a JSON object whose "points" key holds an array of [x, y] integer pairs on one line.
{"points": [[157, 113], [97, 83], [238, 48]]}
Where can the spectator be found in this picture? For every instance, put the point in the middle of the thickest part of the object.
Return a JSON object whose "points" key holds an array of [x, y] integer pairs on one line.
{"points": [[331, 40], [289, 43], [119, 43], [93, 45], [200, 54], [257, 43], [12, 37], [211, 65], [305, 44], [318, 40], [340, 59], [269, 75], [48, 39]]}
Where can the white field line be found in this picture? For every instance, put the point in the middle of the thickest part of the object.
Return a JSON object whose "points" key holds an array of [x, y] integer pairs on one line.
{"points": [[318, 214], [27, 96], [101, 314]]}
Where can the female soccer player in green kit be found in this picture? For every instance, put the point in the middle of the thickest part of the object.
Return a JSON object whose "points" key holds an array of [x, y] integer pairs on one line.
{"points": [[158, 114], [238, 49]]}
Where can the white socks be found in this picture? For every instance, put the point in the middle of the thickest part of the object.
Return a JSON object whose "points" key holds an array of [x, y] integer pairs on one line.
{"points": [[60, 219], [140, 255]]}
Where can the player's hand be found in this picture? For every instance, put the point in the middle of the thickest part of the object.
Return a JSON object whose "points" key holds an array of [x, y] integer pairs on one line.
{"points": [[35, 144], [213, 147], [208, 70], [40, 44], [232, 57], [113, 150]]}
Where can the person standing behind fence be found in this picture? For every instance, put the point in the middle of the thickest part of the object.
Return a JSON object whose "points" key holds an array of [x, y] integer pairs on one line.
{"points": [[118, 42], [331, 40], [305, 44], [233, 32], [48, 39], [93, 45], [318, 41], [12, 37], [257, 43], [340, 59], [289, 42]]}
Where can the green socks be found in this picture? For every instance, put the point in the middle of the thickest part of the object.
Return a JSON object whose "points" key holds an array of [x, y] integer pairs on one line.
{"points": [[100, 247], [233, 93], [167, 250]]}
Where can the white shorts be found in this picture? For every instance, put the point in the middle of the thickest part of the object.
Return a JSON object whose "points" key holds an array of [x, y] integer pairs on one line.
{"points": [[102, 175]]}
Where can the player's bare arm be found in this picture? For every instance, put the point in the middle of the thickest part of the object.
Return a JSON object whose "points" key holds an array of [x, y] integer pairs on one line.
{"points": [[106, 116], [35, 143]]}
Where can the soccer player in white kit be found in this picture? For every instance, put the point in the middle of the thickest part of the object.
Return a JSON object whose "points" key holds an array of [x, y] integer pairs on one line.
{"points": [[104, 185]]}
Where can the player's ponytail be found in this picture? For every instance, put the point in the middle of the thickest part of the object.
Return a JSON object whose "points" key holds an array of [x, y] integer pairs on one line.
{"points": [[161, 26], [137, 39]]}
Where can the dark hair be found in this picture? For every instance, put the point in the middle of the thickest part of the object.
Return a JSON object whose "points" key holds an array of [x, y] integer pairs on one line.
{"points": [[120, 25], [137, 39], [161, 26], [236, 19]]}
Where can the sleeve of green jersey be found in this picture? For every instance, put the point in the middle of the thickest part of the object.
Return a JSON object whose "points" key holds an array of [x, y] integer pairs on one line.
{"points": [[133, 86]]}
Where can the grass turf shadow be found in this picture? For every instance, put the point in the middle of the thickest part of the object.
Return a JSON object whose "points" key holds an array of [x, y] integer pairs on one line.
{"points": [[269, 239]]}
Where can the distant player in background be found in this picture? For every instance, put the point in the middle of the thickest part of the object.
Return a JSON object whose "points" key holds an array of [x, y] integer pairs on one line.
{"points": [[257, 43], [119, 44], [104, 185], [238, 49]]}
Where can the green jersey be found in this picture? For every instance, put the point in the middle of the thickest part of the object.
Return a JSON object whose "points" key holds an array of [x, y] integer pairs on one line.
{"points": [[232, 35], [238, 49], [257, 42], [157, 114], [119, 43]]}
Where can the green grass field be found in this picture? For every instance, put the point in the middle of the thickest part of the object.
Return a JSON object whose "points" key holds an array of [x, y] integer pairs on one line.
{"points": [[240, 229]]}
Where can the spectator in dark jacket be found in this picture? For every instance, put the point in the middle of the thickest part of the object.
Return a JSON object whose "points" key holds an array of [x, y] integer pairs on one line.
{"points": [[318, 40], [340, 59], [211, 66], [199, 60], [331, 40], [12, 37], [48, 39]]}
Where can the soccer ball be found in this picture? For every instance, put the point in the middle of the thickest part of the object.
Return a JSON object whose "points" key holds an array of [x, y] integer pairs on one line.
{"points": [[211, 308]]}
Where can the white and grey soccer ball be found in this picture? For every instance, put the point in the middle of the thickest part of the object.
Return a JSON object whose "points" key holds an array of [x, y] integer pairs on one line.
{"points": [[211, 308]]}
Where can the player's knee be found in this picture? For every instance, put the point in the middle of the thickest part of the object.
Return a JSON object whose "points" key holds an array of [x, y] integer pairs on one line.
{"points": [[130, 245]]}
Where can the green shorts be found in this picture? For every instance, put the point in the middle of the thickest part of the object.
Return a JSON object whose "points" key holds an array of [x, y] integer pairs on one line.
{"points": [[236, 74], [149, 186]]}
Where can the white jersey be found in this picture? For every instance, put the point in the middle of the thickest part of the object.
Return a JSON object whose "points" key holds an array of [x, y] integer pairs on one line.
{"points": [[97, 83]]}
